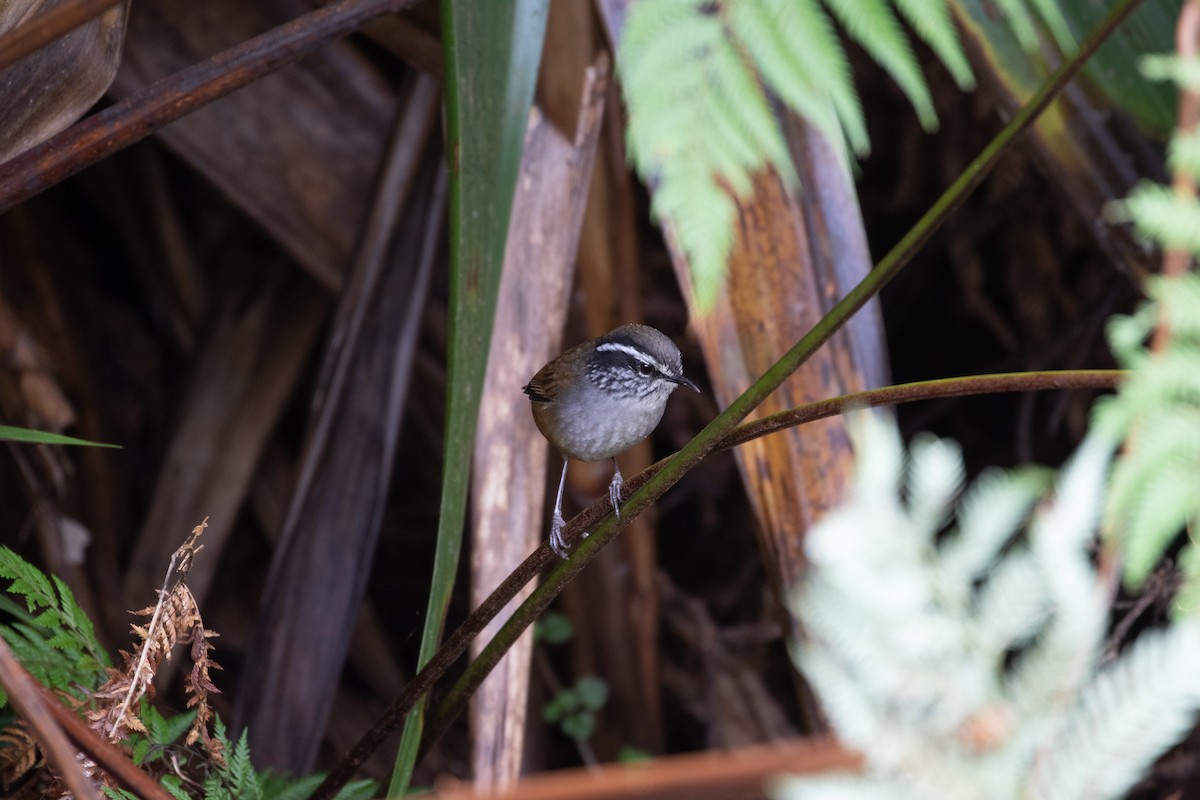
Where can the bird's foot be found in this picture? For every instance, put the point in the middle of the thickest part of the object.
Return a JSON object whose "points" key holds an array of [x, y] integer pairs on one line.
{"points": [[614, 492], [557, 543]]}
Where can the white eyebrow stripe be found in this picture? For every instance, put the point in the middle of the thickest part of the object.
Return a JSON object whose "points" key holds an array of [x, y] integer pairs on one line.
{"points": [[633, 352]]}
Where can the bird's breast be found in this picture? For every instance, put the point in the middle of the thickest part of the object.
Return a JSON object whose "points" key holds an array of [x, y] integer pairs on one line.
{"points": [[592, 429]]}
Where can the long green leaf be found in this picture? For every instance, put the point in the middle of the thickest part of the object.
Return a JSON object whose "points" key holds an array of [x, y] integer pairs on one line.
{"points": [[11, 434], [492, 52]]}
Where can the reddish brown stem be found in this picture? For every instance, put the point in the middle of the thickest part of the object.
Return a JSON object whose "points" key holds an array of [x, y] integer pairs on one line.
{"points": [[708, 775]]}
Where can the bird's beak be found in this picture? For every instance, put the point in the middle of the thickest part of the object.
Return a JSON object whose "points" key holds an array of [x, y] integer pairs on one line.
{"points": [[682, 381]]}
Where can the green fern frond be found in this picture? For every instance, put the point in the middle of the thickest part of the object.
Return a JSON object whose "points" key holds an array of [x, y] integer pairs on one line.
{"points": [[1187, 599], [1184, 154], [1159, 214], [1183, 71], [700, 122], [50, 635], [1153, 495], [1127, 336], [280, 787], [704, 216], [236, 778], [932, 22], [174, 786], [1051, 13], [27, 581], [1021, 22], [875, 27], [798, 54], [1159, 512]]}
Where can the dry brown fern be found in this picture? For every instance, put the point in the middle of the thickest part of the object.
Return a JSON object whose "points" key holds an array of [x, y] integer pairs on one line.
{"points": [[174, 619], [19, 754]]}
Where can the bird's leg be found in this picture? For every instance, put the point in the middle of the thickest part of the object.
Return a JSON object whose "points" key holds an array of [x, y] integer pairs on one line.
{"points": [[614, 489], [557, 544]]}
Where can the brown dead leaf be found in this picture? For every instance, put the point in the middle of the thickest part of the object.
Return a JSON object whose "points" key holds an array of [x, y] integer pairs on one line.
{"points": [[50, 88]]}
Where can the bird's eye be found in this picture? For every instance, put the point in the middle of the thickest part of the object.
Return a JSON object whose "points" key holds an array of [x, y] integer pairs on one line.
{"points": [[645, 369]]}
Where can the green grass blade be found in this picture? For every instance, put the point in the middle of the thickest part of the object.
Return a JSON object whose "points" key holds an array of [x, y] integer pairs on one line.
{"points": [[492, 53], [11, 434]]}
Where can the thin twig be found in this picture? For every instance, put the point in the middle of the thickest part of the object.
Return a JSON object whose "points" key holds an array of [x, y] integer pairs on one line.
{"points": [[165, 101], [45, 28]]}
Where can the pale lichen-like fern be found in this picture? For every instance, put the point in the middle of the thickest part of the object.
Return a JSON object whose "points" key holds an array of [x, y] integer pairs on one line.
{"points": [[699, 77], [956, 643]]}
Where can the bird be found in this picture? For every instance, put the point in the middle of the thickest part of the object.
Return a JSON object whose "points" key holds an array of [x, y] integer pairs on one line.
{"points": [[601, 398]]}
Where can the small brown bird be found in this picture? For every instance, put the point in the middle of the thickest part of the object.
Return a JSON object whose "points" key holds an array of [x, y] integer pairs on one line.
{"points": [[602, 397]]}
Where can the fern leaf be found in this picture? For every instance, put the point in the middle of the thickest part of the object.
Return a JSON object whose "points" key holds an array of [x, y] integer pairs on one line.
{"points": [[1159, 514], [1127, 335], [880, 459], [1051, 13], [1060, 533], [1153, 492], [837, 787], [278, 787], [27, 580], [795, 48], [357, 790], [936, 476], [704, 216], [1159, 214], [1184, 154], [1011, 607], [1133, 711], [114, 793], [174, 786], [990, 514], [238, 775], [1021, 22], [932, 22], [875, 27], [1187, 599], [1184, 71], [698, 116]]}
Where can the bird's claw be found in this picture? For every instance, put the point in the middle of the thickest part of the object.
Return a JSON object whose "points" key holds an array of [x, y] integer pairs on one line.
{"points": [[557, 543], [614, 492]]}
